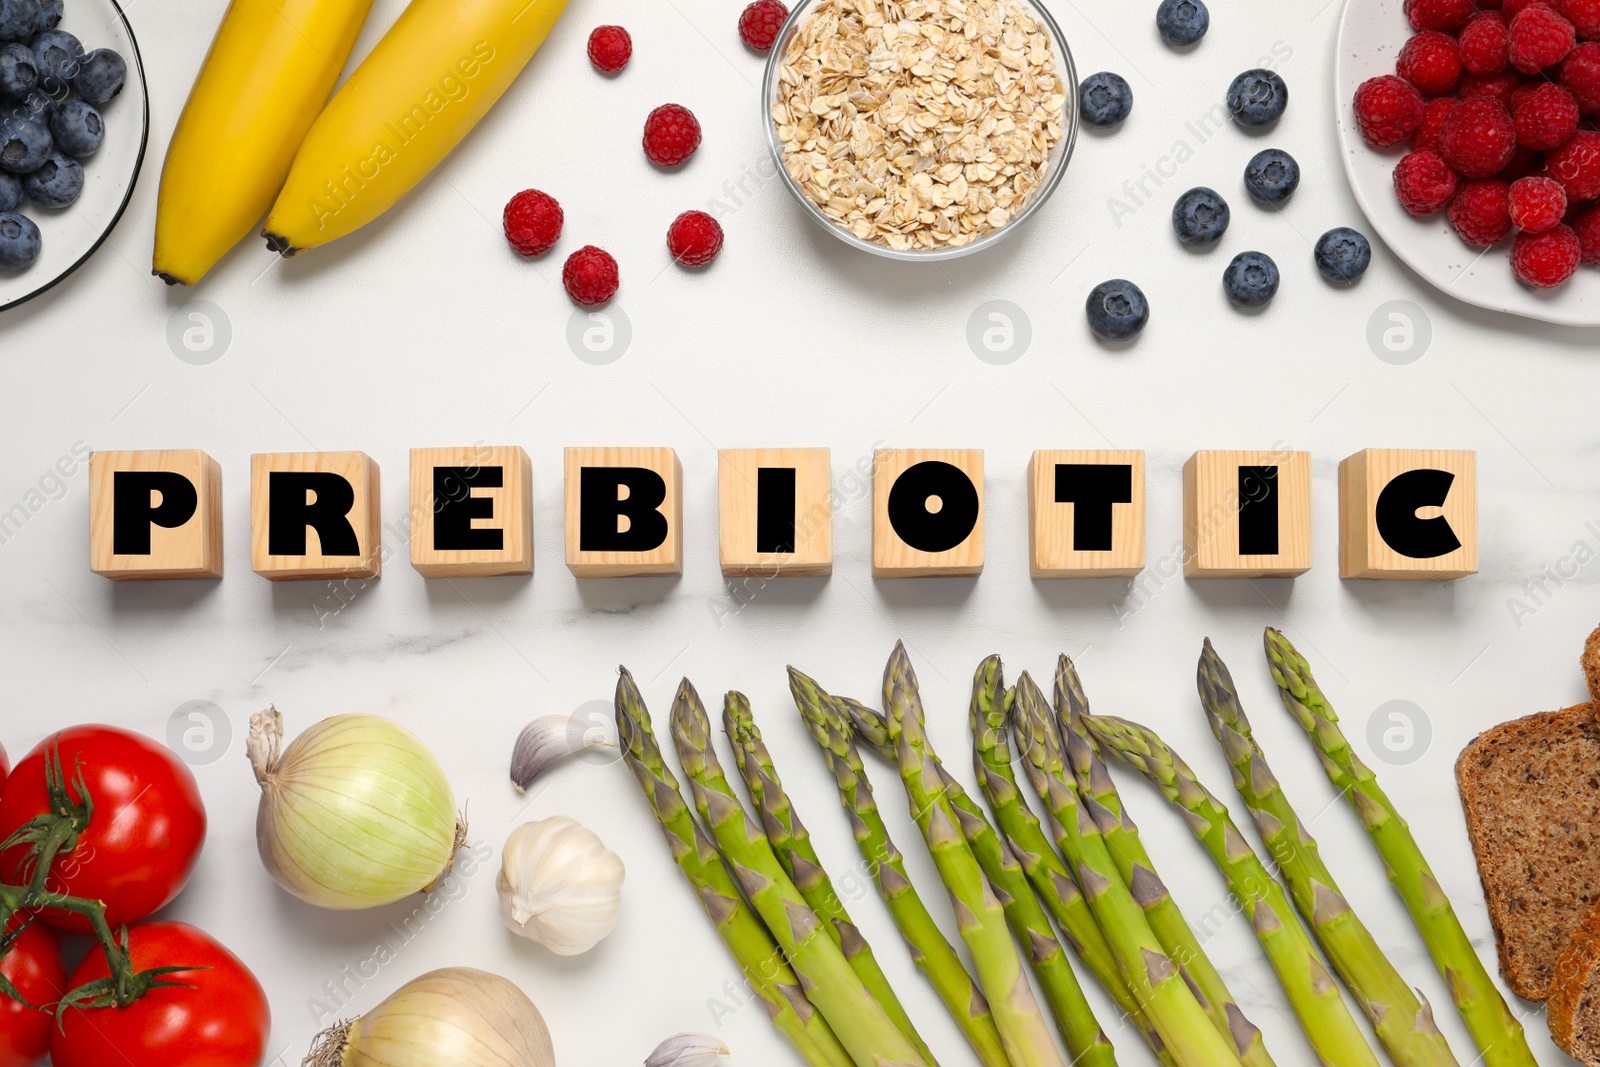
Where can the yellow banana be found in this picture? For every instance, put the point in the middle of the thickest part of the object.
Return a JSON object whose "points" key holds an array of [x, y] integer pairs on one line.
{"points": [[270, 70], [437, 71]]}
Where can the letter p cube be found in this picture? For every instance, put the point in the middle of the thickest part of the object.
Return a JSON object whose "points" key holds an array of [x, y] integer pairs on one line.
{"points": [[155, 515]]}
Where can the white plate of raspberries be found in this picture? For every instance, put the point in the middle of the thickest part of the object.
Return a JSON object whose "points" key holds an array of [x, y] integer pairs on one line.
{"points": [[1470, 132]]}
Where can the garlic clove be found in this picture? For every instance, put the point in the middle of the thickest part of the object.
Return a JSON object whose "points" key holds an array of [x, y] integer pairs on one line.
{"points": [[688, 1050], [546, 741]]}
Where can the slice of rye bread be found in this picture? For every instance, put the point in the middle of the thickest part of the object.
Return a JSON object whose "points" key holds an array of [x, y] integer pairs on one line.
{"points": [[1574, 1006], [1531, 792]]}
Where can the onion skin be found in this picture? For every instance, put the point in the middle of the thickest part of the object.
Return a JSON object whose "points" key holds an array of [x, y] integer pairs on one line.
{"points": [[356, 813], [454, 1017]]}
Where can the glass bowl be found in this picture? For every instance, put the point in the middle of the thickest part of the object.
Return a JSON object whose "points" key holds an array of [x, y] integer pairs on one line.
{"points": [[1054, 166]]}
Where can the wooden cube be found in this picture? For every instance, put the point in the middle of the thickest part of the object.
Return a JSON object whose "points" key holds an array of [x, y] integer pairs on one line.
{"points": [[1408, 514], [927, 512], [155, 515], [1247, 514], [624, 512], [775, 511], [1085, 514], [471, 511], [314, 515]]}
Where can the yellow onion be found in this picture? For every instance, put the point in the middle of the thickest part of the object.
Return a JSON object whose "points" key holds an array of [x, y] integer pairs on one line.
{"points": [[454, 1017], [355, 813]]}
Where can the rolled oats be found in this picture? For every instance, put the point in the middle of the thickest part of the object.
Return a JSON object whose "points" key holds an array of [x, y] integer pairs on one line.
{"points": [[919, 124]]}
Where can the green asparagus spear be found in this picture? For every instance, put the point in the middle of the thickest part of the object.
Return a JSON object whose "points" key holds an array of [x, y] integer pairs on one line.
{"points": [[979, 915], [1328, 1025], [860, 1022], [769, 976], [792, 843], [989, 716], [1087, 1044], [1167, 1001], [930, 950], [1404, 1023], [1006, 870], [1139, 872], [1495, 1030]]}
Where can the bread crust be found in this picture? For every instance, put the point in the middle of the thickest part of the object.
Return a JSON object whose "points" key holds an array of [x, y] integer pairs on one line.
{"points": [[1578, 962], [1519, 973]]}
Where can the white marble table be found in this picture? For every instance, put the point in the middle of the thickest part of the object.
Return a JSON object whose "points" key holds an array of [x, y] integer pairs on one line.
{"points": [[425, 330]]}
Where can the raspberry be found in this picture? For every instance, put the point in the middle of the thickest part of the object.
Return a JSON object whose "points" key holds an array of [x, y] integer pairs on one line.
{"points": [[1537, 203], [610, 48], [1387, 110], [1431, 61], [1490, 86], [1423, 182], [1512, 8], [1576, 165], [1478, 138], [694, 238], [1485, 43], [1480, 212], [1545, 260], [532, 222], [1587, 227], [1580, 73], [1447, 15], [671, 134], [1540, 38], [1433, 116], [1584, 16], [590, 276], [760, 22], [1545, 115]]}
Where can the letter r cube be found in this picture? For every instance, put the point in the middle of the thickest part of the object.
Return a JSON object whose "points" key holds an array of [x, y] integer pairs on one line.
{"points": [[314, 515]]}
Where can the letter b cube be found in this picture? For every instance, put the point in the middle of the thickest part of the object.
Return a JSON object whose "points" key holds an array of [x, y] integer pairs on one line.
{"points": [[624, 512]]}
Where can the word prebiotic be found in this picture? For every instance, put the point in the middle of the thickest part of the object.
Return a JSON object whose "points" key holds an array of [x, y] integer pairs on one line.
{"points": [[1403, 513]]}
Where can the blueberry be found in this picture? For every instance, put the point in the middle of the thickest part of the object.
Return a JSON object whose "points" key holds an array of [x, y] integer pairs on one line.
{"points": [[50, 12], [19, 241], [1251, 279], [10, 191], [77, 128], [1343, 254], [19, 19], [57, 183], [1257, 97], [1182, 22], [36, 106], [1271, 176], [57, 54], [1117, 310], [1105, 99], [100, 76], [24, 145], [18, 75], [1200, 217]]}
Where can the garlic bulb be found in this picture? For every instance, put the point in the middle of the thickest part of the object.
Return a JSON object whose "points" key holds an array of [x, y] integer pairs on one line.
{"points": [[688, 1050], [559, 885], [457, 1016]]}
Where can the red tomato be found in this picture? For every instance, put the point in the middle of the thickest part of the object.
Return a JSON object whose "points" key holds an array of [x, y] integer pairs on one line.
{"points": [[220, 1021], [143, 837], [34, 967], [5, 765]]}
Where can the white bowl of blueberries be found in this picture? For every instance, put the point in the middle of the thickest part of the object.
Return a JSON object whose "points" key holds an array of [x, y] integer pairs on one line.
{"points": [[66, 170]]}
